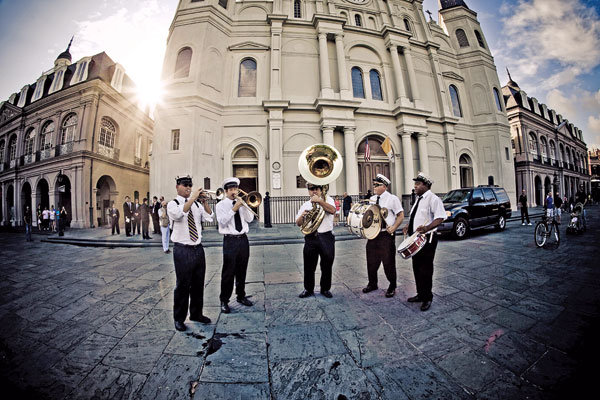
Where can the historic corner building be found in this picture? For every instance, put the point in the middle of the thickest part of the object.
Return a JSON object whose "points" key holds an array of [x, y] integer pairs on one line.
{"points": [[74, 138], [549, 151], [250, 84]]}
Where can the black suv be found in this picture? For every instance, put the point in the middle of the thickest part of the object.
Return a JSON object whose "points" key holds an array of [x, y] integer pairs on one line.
{"points": [[475, 208]]}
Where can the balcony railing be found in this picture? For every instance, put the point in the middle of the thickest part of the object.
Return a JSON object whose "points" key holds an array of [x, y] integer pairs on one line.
{"points": [[29, 158], [12, 163], [65, 148], [2, 166], [46, 153], [106, 151]]}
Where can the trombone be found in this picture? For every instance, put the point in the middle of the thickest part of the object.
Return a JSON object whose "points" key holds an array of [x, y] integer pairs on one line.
{"points": [[252, 199]]}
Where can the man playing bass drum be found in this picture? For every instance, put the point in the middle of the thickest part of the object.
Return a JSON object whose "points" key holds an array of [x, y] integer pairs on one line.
{"points": [[318, 244]]}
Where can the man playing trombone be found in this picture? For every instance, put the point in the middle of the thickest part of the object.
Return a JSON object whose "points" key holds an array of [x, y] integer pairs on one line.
{"points": [[233, 218]]}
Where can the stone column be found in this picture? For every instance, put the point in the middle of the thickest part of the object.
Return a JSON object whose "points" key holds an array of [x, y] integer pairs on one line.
{"points": [[18, 203], [423, 153], [328, 140], [275, 152], [407, 158], [326, 91], [351, 164], [4, 207], [345, 93], [412, 76], [400, 91], [33, 207], [453, 168]]}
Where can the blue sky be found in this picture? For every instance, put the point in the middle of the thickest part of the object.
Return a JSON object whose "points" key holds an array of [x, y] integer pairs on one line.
{"points": [[552, 47]]}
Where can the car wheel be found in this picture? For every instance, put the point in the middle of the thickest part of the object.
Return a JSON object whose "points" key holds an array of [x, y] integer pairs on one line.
{"points": [[501, 223], [460, 229]]}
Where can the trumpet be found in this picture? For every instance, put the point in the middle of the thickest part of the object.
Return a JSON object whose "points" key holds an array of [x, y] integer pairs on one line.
{"points": [[219, 193], [252, 199]]}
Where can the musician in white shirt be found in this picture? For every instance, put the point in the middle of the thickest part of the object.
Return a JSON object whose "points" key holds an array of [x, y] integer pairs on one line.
{"points": [[427, 213], [187, 211], [233, 218], [382, 248], [318, 244]]}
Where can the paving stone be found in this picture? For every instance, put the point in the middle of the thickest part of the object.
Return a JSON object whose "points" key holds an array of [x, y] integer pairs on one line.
{"points": [[238, 391], [471, 301], [172, 377], [303, 341], [241, 358], [515, 351], [93, 349], [191, 342], [122, 322], [105, 382], [433, 341], [553, 369], [98, 313], [470, 368], [139, 350], [499, 295], [509, 386], [344, 316], [332, 377], [248, 322], [291, 311], [537, 309], [508, 318], [464, 283]]}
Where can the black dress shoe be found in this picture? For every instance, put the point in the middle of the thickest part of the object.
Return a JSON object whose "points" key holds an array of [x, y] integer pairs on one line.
{"points": [[180, 326], [305, 293], [327, 294], [414, 299], [244, 301], [225, 308], [426, 305], [390, 292], [202, 318], [368, 289]]}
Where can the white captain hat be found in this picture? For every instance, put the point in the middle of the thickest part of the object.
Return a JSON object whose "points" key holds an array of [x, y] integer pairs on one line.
{"points": [[382, 179], [423, 177], [228, 182]]}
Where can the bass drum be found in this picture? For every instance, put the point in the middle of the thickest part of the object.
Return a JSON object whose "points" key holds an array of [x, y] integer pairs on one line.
{"points": [[364, 220]]}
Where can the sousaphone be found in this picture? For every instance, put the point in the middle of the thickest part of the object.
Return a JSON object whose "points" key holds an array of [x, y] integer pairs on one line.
{"points": [[319, 164]]}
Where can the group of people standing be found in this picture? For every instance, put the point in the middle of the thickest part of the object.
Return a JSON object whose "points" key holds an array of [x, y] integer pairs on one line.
{"points": [[53, 220], [553, 205]]}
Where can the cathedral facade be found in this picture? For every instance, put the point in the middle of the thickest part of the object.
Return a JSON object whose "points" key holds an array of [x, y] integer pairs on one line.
{"points": [[76, 139], [251, 83]]}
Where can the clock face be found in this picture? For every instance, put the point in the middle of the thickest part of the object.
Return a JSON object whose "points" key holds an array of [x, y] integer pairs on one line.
{"points": [[358, 1]]}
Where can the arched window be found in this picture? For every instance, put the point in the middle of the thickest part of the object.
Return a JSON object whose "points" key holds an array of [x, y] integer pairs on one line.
{"points": [[533, 147], [12, 148], [357, 83], [297, 9], [182, 65], [344, 15], [357, 20], [552, 150], [497, 98], [247, 82], [29, 141], [561, 152], [461, 36], [456, 109], [46, 135], [68, 129], [466, 171], [2, 148], [479, 39], [406, 24], [375, 85], [108, 132], [544, 146]]}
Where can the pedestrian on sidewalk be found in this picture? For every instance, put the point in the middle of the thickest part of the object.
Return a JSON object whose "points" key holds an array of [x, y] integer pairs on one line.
{"points": [[39, 217], [165, 230], [318, 244], [382, 248], [46, 219], [128, 215], [233, 218], [114, 219], [187, 211], [27, 220], [338, 210], [549, 205], [155, 207], [558, 207], [346, 207], [429, 210], [63, 221], [52, 218], [524, 211], [145, 213]]}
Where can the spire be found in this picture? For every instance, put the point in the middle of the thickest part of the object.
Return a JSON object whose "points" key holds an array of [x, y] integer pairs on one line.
{"points": [[64, 58], [511, 83]]}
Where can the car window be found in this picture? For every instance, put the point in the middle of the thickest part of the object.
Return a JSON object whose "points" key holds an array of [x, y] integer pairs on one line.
{"points": [[478, 196], [501, 195], [456, 196], [489, 194]]}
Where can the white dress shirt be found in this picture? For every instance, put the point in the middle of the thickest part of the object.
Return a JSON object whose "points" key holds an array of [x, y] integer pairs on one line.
{"points": [[393, 205], [226, 217], [327, 224], [430, 208], [181, 231]]}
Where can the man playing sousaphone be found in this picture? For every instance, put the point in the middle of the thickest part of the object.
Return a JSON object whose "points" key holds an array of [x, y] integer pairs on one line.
{"points": [[382, 248], [318, 244], [427, 213]]}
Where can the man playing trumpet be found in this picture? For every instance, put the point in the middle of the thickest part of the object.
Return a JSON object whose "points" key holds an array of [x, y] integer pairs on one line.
{"points": [[233, 218], [318, 244]]}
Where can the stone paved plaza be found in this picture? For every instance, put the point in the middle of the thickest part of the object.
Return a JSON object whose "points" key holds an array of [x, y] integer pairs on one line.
{"points": [[508, 321]]}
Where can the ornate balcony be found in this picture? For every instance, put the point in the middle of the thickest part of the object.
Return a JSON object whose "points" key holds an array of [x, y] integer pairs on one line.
{"points": [[46, 153], [12, 163], [29, 158], [65, 148]]}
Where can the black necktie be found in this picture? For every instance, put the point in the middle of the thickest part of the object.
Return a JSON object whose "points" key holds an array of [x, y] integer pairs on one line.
{"points": [[377, 202], [411, 222], [238, 220]]}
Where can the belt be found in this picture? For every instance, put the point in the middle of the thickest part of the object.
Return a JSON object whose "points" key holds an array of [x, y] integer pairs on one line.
{"points": [[243, 235], [316, 234], [187, 245]]}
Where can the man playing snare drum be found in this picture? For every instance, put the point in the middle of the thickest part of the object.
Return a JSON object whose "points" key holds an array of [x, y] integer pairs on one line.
{"points": [[427, 213]]}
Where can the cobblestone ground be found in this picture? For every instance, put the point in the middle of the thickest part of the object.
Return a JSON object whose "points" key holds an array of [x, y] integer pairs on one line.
{"points": [[508, 321]]}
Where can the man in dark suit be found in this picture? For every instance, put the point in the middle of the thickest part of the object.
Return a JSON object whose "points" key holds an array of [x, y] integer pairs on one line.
{"points": [[114, 219], [137, 218], [145, 212], [128, 213], [155, 207]]}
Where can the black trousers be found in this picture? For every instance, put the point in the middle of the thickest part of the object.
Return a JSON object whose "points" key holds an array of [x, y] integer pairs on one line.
{"points": [[155, 223], [128, 227], [382, 249], [115, 225], [136, 222], [236, 251], [524, 214], [315, 246], [190, 267], [423, 269], [145, 226]]}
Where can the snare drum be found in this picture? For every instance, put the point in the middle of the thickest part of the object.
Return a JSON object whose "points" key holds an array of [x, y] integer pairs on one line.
{"points": [[364, 220], [411, 245]]}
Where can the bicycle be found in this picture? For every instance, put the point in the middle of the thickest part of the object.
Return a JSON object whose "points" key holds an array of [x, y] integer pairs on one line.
{"points": [[546, 232]]}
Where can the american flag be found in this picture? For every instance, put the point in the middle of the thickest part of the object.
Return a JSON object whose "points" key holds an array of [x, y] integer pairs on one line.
{"points": [[367, 152]]}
